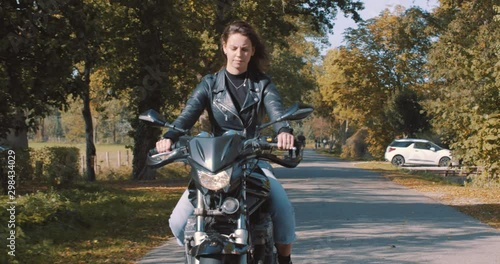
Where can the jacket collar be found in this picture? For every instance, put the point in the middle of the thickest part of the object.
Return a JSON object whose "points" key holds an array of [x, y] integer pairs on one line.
{"points": [[253, 96]]}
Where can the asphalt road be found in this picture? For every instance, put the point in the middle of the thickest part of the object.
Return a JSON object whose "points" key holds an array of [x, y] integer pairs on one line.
{"points": [[349, 215]]}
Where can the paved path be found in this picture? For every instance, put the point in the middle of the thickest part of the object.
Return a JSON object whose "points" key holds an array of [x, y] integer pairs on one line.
{"points": [[349, 215]]}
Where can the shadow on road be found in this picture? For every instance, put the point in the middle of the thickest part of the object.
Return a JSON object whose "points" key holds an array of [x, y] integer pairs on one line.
{"points": [[349, 215]]}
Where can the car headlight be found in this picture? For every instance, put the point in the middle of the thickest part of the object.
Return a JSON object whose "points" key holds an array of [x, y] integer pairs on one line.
{"points": [[215, 181]]}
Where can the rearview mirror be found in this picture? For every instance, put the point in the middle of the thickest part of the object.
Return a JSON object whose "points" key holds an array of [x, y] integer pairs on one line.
{"points": [[153, 117], [158, 120], [297, 111]]}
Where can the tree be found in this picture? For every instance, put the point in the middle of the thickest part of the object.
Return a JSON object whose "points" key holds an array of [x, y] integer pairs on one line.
{"points": [[293, 68], [35, 68], [183, 44], [464, 96], [152, 66], [88, 22], [382, 62], [403, 112]]}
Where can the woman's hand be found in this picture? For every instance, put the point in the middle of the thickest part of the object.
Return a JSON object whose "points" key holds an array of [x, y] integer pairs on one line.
{"points": [[285, 140], [164, 145]]}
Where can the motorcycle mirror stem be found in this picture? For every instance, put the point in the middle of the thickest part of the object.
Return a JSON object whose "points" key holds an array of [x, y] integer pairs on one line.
{"points": [[295, 112], [154, 117]]}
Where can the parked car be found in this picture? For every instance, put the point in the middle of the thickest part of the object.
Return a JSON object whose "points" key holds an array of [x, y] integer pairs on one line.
{"points": [[417, 152]]}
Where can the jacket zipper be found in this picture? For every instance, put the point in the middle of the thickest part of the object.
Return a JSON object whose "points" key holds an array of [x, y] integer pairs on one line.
{"points": [[228, 110]]}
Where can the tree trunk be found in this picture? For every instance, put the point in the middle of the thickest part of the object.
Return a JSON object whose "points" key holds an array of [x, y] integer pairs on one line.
{"points": [[144, 139], [40, 133], [151, 90], [17, 140], [89, 130]]}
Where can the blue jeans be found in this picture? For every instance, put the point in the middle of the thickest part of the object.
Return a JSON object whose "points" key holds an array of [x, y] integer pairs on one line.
{"points": [[282, 214]]}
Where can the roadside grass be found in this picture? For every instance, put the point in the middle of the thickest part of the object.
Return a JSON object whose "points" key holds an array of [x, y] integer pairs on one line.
{"points": [[103, 222], [480, 203]]}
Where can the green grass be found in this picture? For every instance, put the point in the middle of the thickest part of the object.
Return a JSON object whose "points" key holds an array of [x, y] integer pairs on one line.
{"points": [[92, 223]]}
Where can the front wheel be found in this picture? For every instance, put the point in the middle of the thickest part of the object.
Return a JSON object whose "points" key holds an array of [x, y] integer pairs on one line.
{"points": [[398, 160], [222, 259], [210, 260], [444, 162]]}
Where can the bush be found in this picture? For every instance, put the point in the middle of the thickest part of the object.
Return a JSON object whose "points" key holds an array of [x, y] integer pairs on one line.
{"points": [[22, 167], [60, 165], [355, 147]]}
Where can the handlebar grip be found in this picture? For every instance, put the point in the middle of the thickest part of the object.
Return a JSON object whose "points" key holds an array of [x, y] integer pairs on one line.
{"points": [[153, 151], [156, 160]]}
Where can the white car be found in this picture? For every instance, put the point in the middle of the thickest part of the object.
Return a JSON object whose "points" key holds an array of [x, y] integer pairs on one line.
{"points": [[417, 152]]}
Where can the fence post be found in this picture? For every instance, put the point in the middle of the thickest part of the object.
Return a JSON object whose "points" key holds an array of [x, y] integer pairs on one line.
{"points": [[119, 159], [107, 159], [83, 164]]}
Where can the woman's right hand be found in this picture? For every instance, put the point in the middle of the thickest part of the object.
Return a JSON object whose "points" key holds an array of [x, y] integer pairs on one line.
{"points": [[164, 145]]}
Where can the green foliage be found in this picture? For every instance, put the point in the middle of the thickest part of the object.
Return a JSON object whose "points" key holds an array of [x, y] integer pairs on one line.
{"points": [[465, 94], [24, 169], [405, 115], [60, 164], [89, 223], [35, 66], [374, 80], [481, 148], [38, 208], [356, 147], [152, 53]]}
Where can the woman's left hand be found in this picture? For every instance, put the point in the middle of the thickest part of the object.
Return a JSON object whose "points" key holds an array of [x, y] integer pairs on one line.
{"points": [[285, 140]]}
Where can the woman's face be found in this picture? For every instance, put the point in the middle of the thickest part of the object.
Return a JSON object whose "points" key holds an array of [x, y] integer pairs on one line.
{"points": [[238, 50]]}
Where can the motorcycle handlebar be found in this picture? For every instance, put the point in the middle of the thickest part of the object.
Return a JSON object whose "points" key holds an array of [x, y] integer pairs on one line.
{"points": [[157, 160], [268, 143]]}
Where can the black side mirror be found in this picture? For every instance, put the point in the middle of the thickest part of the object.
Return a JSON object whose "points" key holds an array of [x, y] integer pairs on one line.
{"points": [[153, 117], [297, 111], [158, 120]]}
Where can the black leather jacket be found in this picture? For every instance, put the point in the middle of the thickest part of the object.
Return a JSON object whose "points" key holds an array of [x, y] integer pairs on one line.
{"points": [[212, 95]]}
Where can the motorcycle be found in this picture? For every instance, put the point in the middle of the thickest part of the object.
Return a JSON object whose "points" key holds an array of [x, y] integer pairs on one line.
{"points": [[229, 189]]}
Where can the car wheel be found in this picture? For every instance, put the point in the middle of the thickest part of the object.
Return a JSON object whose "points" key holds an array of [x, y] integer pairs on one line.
{"points": [[444, 162], [398, 160]]}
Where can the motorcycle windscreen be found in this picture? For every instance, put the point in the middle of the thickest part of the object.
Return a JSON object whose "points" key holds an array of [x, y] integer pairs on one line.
{"points": [[215, 153]]}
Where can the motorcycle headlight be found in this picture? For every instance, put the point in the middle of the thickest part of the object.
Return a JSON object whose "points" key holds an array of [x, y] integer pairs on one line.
{"points": [[215, 181]]}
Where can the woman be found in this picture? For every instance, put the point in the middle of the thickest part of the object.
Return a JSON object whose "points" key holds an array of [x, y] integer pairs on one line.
{"points": [[236, 98]]}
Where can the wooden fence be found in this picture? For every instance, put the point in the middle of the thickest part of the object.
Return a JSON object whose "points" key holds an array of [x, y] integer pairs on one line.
{"points": [[108, 160]]}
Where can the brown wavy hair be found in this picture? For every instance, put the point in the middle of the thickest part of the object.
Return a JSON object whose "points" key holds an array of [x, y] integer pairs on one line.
{"points": [[260, 59]]}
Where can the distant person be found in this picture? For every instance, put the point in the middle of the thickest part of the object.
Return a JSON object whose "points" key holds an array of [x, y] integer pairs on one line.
{"points": [[302, 144]]}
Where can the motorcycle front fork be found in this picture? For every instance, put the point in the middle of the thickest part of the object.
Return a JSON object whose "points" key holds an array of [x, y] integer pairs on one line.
{"points": [[240, 235]]}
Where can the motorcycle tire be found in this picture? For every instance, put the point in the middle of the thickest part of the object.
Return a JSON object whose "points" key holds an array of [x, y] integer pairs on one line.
{"points": [[262, 255], [210, 260], [226, 259]]}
